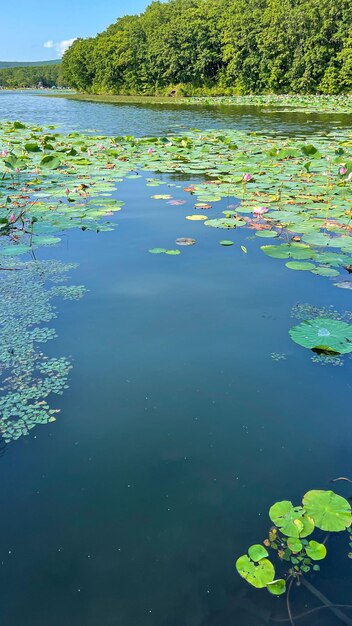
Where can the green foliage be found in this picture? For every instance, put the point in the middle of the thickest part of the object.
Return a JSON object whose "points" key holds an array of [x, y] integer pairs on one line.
{"points": [[30, 76], [219, 47], [324, 510]]}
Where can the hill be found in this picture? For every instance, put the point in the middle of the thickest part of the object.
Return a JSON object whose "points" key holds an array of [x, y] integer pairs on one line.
{"points": [[5, 64]]}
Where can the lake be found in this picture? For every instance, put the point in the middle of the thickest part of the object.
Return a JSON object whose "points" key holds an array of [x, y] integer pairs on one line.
{"points": [[189, 409]]}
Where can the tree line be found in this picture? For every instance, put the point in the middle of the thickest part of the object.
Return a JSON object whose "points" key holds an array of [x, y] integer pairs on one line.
{"points": [[219, 47], [30, 76]]}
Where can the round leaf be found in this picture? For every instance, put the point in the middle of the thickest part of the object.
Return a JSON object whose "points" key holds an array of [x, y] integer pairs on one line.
{"points": [[316, 551], [256, 574], [330, 511]]}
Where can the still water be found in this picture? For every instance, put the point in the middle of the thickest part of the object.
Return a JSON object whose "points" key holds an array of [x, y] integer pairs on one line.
{"points": [[178, 429]]}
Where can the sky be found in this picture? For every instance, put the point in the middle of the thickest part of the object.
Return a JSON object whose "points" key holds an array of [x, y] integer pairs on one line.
{"points": [[37, 30]]}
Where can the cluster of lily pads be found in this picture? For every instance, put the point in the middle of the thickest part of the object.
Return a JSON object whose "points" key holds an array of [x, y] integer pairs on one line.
{"points": [[289, 538], [297, 193], [28, 376], [300, 103]]}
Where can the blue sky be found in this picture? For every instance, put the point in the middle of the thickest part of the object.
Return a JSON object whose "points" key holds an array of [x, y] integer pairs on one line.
{"points": [[26, 25]]}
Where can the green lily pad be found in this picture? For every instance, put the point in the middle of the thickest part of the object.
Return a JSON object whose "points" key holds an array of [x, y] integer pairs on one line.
{"points": [[291, 520], [50, 162], [324, 334], [157, 250], [256, 574], [277, 587], [226, 242], [316, 551], [257, 552], [296, 265], [294, 544], [330, 511], [325, 271]]}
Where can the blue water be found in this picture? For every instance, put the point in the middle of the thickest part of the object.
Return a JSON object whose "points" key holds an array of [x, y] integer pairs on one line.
{"points": [[178, 430]]}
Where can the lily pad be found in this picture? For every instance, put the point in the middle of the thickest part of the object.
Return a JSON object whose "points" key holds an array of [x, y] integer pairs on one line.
{"points": [[294, 544], [316, 551], [277, 587], [226, 242], [257, 552], [296, 265], [157, 250], [330, 511], [257, 574], [196, 218], [324, 334], [291, 520]]}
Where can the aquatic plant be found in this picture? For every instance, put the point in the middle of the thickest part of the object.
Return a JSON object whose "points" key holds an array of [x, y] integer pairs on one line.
{"points": [[290, 540]]}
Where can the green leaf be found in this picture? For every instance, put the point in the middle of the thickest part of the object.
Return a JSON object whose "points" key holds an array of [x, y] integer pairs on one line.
{"points": [[157, 250], [324, 334], [330, 511], [316, 551], [256, 574], [291, 520], [294, 544], [257, 552], [296, 265], [277, 587], [50, 162], [226, 242]]}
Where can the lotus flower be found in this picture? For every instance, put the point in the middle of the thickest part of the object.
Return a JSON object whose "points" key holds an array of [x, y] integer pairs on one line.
{"points": [[150, 151], [4, 153], [17, 170], [247, 177], [260, 210], [349, 177], [342, 170], [12, 218], [67, 191], [101, 146]]}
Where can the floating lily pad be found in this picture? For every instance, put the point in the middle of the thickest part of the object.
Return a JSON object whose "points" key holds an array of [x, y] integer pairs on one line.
{"points": [[316, 551], [330, 511], [294, 544], [157, 250], [257, 552], [291, 520], [196, 218], [324, 334], [256, 574], [226, 242], [325, 271], [277, 587], [296, 265]]}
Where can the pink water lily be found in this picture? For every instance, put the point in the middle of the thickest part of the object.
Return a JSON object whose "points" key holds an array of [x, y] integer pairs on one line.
{"points": [[4, 153], [12, 218], [17, 170], [349, 177], [67, 191], [260, 210], [342, 170], [247, 177], [150, 150], [101, 146]]}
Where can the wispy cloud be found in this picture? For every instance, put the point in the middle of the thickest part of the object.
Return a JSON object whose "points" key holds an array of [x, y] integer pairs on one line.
{"points": [[59, 46]]}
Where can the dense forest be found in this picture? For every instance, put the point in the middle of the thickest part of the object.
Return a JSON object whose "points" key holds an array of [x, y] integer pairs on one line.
{"points": [[219, 46], [30, 76]]}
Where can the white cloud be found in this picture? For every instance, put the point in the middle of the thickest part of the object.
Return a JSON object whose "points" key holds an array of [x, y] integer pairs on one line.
{"points": [[60, 46]]}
